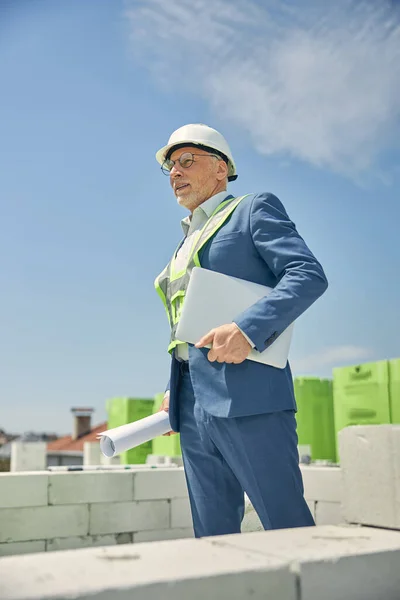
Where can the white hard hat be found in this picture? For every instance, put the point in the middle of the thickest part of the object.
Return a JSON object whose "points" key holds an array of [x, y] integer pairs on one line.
{"points": [[203, 136]]}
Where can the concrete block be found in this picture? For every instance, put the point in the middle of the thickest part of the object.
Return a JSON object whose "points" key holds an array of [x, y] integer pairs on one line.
{"points": [[121, 517], [28, 456], [172, 570], [113, 460], [22, 548], [75, 542], [123, 538], [91, 453], [90, 487], [181, 515], [23, 489], [365, 577], [370, 462], [163, 534], [88, 541], [43, 522], [355, 563], [328, 513], [322, 483], [158, 484]]}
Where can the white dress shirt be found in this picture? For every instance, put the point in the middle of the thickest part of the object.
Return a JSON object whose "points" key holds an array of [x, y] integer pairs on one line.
{"points": [[191, 225]]}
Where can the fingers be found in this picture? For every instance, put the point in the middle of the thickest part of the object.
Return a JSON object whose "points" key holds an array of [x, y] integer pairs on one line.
{"points": [[224, 347], [165, 406], [217, 356], [165, 403], [213, 356], [206, 339]]}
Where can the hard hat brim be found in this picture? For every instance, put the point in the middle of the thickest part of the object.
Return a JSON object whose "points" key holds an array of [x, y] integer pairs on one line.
{"points": [[162, 154]]}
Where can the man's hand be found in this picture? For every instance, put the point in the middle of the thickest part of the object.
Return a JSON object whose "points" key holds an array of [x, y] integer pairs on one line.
{"points": [[165, 406], [228, 344]]}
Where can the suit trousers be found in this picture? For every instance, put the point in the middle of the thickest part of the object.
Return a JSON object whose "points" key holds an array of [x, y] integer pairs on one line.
{"points": [[226, 457]]}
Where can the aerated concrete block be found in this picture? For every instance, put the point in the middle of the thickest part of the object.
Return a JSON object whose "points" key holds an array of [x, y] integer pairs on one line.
{"points": [[23, 489], [43, 522], [175, 570], [121, 517], [322, 483], [112, 460], [328, 513], [22, 548], [181, 515], [163, 534], [28, 456], [159, 484], [88, 541], [91, 453], [370, 461], [90, 487], [353, 563]]}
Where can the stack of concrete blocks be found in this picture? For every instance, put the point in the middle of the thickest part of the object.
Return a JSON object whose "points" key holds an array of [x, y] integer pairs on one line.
{"points": [[354, 562], [328, 563], [48, 511], [63, 510], [32, 456], [323, 491]]}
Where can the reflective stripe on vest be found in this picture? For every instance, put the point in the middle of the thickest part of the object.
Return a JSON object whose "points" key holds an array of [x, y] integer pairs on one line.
{"points": [[171, 285]]}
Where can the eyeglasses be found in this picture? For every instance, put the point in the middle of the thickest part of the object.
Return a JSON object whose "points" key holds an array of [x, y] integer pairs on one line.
{"points": [[185, 160]]}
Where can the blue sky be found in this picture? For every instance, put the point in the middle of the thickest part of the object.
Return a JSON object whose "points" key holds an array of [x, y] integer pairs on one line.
{"points": [[309, 102]]}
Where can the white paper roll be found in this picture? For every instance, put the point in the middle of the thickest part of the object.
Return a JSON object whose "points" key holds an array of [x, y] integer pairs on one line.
{"points": [[115, 441]]}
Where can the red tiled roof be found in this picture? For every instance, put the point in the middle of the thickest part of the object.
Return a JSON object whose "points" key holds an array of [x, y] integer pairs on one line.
{"points": [[66, 443]]}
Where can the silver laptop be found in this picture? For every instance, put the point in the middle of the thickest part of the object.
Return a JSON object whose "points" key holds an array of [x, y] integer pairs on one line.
{"points": [[213, 299]]}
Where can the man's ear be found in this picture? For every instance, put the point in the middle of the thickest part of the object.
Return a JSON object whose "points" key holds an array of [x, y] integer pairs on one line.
{"points": [[222, 171]]}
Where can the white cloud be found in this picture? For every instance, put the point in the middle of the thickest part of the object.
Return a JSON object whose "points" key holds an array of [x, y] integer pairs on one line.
{"points": [[317, 81], [335, 356]]}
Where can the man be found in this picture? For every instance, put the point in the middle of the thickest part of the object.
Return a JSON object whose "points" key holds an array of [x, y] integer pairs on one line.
{"points": [[236, 417]]}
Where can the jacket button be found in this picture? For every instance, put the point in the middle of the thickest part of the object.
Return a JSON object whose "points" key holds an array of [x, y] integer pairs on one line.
{"points": [[271, 338]]}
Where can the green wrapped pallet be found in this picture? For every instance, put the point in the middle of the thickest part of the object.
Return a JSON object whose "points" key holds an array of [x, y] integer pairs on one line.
{"points": [[165, 445], [361, 395], [315, 425], [394, 390], [121, 411]]}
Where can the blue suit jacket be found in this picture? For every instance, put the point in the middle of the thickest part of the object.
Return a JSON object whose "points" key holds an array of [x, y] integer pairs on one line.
{"points": [[259, 243]]}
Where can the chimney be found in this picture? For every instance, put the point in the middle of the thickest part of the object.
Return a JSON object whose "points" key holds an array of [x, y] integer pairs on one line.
{"points": [[82, 421]]}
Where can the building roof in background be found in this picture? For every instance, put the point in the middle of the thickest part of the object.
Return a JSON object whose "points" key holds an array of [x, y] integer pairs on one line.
{"points": [[67, 444]]}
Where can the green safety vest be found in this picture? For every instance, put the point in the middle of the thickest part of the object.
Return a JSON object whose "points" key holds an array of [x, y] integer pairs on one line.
{"points": [[171, 285]]}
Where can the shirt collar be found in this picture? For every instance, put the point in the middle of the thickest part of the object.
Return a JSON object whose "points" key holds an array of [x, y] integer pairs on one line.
{"points": [[207, 207]]}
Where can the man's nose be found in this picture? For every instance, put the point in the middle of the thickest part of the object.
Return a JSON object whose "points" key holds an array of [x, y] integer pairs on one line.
{"points": [[174, 173]]}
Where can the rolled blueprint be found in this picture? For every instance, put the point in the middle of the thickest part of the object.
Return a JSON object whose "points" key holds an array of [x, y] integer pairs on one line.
{"points": [[115, 441]]}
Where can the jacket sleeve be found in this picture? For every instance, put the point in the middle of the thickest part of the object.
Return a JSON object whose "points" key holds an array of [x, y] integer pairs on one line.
{"points": [[301, 279]]}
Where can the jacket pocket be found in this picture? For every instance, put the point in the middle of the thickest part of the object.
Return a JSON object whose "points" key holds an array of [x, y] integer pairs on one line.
{"points": [[222, 237]]}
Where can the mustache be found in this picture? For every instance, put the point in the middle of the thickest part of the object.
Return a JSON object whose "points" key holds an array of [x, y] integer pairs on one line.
{"points": [[179, 184]]}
